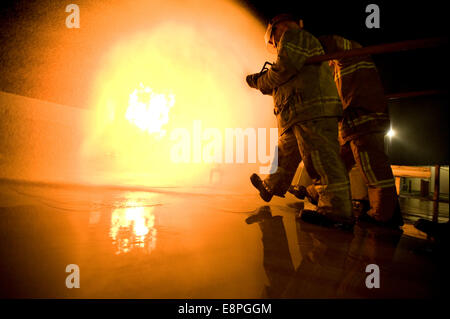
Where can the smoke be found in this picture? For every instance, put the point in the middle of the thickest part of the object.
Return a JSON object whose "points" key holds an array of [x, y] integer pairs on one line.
{"points": [[196, 51]]}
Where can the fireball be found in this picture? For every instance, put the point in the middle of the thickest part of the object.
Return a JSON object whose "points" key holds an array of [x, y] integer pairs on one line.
{"points": [[184, 64], [149, 110]]}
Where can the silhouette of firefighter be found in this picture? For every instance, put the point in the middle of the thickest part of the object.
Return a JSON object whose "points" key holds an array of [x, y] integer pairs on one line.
{"points": [[362, 130], [308, 108]]}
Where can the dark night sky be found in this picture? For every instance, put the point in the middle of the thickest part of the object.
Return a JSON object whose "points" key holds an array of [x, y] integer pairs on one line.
{"points": [[23, 23], [400, 20]]}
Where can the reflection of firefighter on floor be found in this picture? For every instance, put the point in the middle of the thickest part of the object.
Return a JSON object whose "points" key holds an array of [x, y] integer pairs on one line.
{"points": [[362, 130], [370, 246], [332, 262], [277, 258]]}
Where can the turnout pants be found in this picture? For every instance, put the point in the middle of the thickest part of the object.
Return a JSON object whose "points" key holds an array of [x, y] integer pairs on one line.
{"points": [[316, 143], [367, 151]]}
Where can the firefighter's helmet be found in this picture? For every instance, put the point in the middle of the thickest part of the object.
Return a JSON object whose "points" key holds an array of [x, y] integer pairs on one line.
{"points": [[268, 37]]}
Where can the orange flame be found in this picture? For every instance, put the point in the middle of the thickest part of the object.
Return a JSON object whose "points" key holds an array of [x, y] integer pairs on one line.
{"points": [[193, 51]]}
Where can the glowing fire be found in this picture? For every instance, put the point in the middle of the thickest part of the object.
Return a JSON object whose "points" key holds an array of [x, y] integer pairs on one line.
{"points": [[149, 110], [133, 226], [190, 50]]}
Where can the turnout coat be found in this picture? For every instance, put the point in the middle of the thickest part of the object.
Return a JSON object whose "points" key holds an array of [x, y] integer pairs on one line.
{"points": [[300, 92]]}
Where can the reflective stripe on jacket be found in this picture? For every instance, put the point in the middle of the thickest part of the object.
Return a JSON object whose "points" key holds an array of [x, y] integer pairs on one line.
{"points": [[360, 89], [300, 92]]}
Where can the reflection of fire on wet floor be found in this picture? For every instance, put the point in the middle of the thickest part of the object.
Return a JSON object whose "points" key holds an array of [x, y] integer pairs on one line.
{"points": [[191, 244], [133, 226]]}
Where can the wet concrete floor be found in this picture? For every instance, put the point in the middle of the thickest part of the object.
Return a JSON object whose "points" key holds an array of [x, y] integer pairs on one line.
{"points": [[174, 243]]}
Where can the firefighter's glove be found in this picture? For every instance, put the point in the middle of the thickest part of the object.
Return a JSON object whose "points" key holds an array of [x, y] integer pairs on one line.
{"points": [[252, 80]]}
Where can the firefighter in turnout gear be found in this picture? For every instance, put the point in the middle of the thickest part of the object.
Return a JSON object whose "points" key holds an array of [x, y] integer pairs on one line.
{"points": [[307, 108], [362, 129]]}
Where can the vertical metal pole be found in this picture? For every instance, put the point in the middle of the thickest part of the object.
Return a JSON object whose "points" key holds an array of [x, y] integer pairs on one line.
{"points": [[437, 171]]}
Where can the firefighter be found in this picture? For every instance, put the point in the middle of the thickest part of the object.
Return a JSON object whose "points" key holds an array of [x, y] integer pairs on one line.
{"points": [[307, 108], [362, 130]]}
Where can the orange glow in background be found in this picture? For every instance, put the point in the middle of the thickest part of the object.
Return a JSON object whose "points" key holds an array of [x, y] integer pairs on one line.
{"points": [[107, 97], [190, 64]]}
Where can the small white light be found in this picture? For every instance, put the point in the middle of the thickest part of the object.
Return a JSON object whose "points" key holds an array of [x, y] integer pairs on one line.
{"points": [[391, 133]]}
